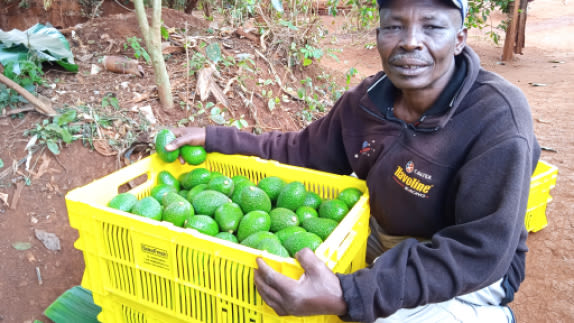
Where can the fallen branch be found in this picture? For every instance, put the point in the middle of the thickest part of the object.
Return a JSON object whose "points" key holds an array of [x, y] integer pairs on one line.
{"points": [[239, 31], [44, 108], [20, 110], [271, 67], [16, 196]]}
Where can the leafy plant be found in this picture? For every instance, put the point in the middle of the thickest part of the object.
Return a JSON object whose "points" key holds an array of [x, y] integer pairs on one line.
{"points": [[139, 51], [55, 133], [363, 13], [309, 53], [29, 77], [479, 13], [8, 97], [196, 63], [350, 73], [110, 100]]}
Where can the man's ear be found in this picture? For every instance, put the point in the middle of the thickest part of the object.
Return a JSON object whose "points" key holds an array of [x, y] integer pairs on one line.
{"points": [[460, 40]]}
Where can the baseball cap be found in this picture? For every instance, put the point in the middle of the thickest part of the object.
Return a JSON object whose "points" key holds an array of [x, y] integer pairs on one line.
{"points": [[462, 5]]}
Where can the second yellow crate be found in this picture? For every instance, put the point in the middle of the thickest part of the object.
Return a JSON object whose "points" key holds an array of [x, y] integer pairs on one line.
{"points": [[542, 181]]}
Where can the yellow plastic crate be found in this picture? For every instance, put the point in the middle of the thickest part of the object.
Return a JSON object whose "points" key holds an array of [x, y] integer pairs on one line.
{"points": [[542, 181], [142, 270]]}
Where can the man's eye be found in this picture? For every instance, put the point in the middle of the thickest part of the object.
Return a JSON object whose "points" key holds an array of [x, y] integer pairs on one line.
{"points": [[432, 27], [391, 27]]}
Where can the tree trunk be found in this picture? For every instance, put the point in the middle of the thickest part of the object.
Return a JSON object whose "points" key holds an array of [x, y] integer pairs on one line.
{"points": [[510, 40], [521, 28], [152, 36]]}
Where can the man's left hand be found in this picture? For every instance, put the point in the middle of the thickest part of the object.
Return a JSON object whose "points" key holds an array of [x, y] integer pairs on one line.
{"points": [[317, 292]]}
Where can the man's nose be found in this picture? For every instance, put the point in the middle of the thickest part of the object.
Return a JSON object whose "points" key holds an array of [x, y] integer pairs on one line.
{"points": [[411, 39]]}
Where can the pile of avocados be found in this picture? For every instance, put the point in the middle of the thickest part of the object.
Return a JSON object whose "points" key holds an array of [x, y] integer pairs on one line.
{"points": [[274, 215]]}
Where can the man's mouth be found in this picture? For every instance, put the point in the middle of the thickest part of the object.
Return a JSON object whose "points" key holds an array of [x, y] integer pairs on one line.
{"points": [[410, 69]]}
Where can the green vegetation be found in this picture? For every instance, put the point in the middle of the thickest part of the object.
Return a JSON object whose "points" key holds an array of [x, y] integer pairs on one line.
{"points": [[139, 51], [55, 133], [29, 77]]}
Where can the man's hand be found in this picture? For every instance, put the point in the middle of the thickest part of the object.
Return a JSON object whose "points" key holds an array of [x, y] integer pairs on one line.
{"points": [[317, 292], [192, 136]]}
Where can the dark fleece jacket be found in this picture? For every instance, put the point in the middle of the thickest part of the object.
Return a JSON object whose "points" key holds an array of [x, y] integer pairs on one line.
{"points": [[459, 177]]}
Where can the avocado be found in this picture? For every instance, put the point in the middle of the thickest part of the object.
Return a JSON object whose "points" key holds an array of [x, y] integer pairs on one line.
{"points": [[164, 137], [252, 222], [292, 196], [283, 234], [320, 226], [148, 207], [333, 209], [282, 218], [171, 197], [177, 212], [165, 177], [224, 235], [273, 246], [203, 223], [206, 202], [228, 216], [253, 240], [159, 190], [123, 202], [253, 198], [302, 240]]}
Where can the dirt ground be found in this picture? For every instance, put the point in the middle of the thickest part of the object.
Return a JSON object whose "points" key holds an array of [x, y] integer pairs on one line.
{"points": [[548, 61]]}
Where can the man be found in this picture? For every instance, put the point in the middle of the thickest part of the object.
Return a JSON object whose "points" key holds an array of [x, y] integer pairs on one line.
{"points": [[451, 153]]}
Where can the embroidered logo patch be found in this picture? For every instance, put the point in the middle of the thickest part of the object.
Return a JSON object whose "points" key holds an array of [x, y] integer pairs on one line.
{"points": [[408, 178], [366, 149]]}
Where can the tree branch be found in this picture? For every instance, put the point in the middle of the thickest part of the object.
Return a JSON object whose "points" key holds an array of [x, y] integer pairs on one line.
{"points": [[41, 106]]}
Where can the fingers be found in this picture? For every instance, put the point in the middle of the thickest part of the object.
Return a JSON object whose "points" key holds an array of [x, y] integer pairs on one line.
{"points": [[271, 286], [312, 265], [281, 283], [192, 136], [270, 296], [176, 143]]}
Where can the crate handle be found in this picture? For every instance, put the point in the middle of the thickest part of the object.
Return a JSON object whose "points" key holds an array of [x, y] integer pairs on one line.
{"points": [[109, 185], [342, 248]]}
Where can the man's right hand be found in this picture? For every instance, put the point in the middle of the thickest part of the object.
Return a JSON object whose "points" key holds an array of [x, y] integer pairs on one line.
{"points": [[192, 136]]}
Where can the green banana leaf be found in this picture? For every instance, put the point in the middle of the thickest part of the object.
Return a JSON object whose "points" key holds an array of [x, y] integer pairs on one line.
{"points": [[39, 42], [76, 305]]}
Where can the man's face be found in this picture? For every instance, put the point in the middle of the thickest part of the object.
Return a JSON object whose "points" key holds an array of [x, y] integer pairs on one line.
{"points": [[417, 42]]}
